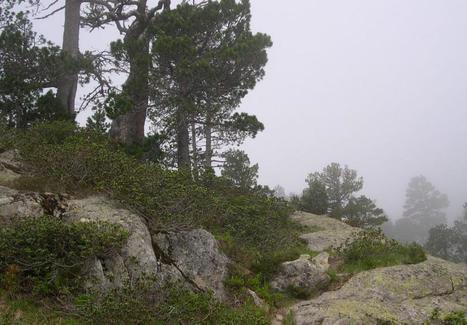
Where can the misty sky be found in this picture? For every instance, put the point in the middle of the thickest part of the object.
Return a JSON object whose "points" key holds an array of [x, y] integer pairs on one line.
{"points": [[378, 85]]}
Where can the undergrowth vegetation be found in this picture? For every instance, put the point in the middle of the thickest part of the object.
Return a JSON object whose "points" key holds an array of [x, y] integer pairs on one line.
{"points": [[138, 305], [46, 255], [372, 249], [253, 227]]}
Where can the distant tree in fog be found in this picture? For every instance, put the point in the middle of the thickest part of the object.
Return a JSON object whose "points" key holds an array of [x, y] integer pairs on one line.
{"points": [[424, 203], [424, 209], [279, 192], [449, 243]]}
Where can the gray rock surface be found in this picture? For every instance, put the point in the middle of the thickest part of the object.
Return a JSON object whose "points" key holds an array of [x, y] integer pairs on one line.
{"points": [[196, 255], [15, 205], [305, 273], [330, 233], [11, 166], [399, 294], [190, 258]]}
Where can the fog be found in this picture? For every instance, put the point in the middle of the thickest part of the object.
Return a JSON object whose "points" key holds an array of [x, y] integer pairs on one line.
{"points": [[378, 85]]}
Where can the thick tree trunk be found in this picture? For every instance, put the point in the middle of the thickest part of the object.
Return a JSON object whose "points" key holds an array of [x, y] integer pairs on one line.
{"points": [[128, 128], [67, 86], [183, 140]]}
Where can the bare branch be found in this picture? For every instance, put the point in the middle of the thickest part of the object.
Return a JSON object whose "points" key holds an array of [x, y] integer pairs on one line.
{"points": [[51, 14]]}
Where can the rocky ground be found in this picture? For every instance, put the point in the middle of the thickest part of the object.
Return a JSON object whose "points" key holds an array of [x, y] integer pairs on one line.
{"points": [[405, 294], [399, 294]]}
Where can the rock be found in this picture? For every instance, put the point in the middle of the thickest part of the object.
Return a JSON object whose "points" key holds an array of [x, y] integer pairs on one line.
{"points": [[398, 294], [136, 259], [331, 233], [11, 166], [257, 300], [189, 258], [196, 255], [15, 205], [304, 273]]}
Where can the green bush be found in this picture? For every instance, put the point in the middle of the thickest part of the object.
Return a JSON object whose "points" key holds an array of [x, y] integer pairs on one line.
{"points": [[138, 305], [46, 255], [372, 249]]}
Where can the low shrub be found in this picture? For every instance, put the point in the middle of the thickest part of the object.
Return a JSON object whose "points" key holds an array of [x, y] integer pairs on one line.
{"points": [[46, 255], [172, 305], [372, 249], [452, 318]]}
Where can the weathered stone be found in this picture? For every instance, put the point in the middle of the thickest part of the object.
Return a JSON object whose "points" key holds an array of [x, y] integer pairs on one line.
{"points": [[196, 255], [15, 205], [136, 259], [399, 294], [11, 166], [304, 273], [332, 233]]}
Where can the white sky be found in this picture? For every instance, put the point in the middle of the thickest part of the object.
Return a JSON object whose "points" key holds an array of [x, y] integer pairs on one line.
{"points": [[380, 85]]}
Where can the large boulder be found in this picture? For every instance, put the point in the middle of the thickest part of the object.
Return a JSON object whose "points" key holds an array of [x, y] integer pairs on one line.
{"points": [[196, 255], [329, 233], [306, 273], [399, 294], [11, 166], [189, 258], [136, 259], [15, 205]]}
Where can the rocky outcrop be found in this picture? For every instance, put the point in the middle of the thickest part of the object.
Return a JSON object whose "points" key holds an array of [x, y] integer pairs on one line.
{"points": [[189, 258], [15, 205], [399, 294], [11, 166], [306, 273], [329, 233], [195, 254]]}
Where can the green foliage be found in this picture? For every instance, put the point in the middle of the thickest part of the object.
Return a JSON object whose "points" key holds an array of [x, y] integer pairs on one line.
{"points": [[362, 212], [238, 170], [137, 305], [28, 64], [24, 310], [78, 158], [452, 318], [340, 184], [315, 198], [46, 255], [204, 60], [372, 249], [449, 243], [98, 122]]}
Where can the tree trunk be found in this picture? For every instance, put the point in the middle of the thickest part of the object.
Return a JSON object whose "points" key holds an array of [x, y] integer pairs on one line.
{"points": [[67, 86], [128, 128], [183, 140], [195, 151], [208, 136]]}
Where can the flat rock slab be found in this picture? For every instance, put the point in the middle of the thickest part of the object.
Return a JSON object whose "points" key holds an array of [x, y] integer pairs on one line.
{"points": [[399, 294], [331, 233]]}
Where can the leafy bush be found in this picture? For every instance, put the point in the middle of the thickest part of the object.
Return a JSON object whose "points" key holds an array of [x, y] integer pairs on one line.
{"points": [[46, 255], [372, 249], [137, 305]]}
